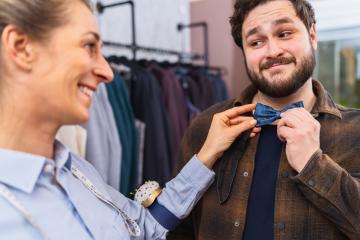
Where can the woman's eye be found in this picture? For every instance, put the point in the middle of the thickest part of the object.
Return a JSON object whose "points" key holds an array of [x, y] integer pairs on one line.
{"points": [[91, 46]]}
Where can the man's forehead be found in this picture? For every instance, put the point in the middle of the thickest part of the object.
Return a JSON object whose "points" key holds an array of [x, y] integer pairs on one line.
{"points": [[274, 12]]}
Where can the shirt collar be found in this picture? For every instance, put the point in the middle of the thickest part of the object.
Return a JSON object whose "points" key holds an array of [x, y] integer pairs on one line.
{"points": [[62, 156], [21, 170], [324, 103]]}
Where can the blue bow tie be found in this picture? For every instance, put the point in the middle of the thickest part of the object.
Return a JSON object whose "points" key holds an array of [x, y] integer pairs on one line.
{"points": [[266, 115]]}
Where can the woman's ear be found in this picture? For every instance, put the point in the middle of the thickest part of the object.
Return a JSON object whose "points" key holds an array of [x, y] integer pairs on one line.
{"points": [[17, 47]]}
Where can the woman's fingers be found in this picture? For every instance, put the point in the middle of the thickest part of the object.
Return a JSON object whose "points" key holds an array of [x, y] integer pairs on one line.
{"points": [[255, 131], [243, 126], [237, 111], [239, 119], [224, 129]]}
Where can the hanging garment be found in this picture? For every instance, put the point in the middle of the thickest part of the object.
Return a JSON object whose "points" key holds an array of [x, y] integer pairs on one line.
{"points": [[149, 107], [175, 104], [196, 86], [140, 134], [124, 117], [201, 88], [185, 83], [220, 92], [74, 137], [104, 149]]}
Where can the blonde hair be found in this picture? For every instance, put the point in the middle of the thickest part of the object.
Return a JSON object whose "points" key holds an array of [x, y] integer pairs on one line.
{"points": [[36, 18]]}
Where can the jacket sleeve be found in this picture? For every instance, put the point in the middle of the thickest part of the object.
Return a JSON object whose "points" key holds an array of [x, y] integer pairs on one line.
{"points": [[334, 191]]}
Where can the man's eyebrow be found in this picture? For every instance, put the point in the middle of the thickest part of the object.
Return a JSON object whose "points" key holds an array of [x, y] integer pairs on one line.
{"points": [[276, 22], [282, 21], [253, 31]]}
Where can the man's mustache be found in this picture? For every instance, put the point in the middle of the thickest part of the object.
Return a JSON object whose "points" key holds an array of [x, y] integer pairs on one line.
{"points": [[277, 61]]}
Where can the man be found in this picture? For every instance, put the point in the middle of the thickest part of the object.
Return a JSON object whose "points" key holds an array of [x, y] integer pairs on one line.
{"points": [[298, 179]]}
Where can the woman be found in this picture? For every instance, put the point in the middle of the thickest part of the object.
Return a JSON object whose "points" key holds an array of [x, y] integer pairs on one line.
{"points": [[50, 66]]}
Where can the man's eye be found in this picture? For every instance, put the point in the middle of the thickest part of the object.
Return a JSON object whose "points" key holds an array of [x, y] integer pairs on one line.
{"points": [[284, 34], [256, 43]]}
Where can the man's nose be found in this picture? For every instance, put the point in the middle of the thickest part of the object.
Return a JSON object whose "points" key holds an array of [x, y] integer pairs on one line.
{"points": [[274, 49]]}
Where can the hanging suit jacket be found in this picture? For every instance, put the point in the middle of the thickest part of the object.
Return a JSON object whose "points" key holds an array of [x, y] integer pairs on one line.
{"points": [[125, 122], [149, 107], [322, 202]]}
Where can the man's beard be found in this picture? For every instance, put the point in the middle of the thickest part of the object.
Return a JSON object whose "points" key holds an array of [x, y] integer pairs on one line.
{"points": [[283, 87]]}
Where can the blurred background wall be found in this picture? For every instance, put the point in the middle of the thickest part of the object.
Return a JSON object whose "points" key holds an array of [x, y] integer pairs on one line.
{"points": [[156, 26], [222, 50]]}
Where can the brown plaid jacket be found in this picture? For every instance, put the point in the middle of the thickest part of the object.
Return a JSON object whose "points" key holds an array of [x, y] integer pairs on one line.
{"points": [[322, 202]]}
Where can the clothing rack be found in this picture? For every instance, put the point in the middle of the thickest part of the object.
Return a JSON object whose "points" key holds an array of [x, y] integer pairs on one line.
{"points": [[220, 70], [134, 47], [101, 8], [203, 25]]}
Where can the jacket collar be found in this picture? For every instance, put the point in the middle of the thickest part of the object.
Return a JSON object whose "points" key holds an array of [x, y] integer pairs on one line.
{"points": [[324, 103]]}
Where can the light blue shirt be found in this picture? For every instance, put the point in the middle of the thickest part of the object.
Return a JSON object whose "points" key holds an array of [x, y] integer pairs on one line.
{"points": [[65, 209]]}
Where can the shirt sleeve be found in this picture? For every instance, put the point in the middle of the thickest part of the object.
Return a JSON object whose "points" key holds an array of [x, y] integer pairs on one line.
{"points": [[182, 193], [178, 197]]}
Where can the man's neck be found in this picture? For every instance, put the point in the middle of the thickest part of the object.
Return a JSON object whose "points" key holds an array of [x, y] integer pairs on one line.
{"points": [[305, 94]]}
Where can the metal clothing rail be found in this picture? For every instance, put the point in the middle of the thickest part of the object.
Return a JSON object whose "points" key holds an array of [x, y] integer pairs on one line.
{"points": [[134, 47], [180, 55], [220, 70], [101, 7], [203, 25]]}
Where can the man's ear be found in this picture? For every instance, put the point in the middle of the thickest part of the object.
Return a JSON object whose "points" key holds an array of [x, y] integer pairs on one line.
{"points": [[17, 47], [313, 36]]}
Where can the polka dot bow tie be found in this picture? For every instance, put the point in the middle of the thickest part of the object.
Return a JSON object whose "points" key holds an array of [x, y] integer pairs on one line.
{"points": [[266, 115]]}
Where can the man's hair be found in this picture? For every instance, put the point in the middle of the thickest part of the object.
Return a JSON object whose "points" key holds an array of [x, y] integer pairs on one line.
{"points": [[242, 8]]}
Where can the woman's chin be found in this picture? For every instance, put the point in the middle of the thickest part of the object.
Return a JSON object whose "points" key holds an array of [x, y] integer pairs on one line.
{"points": [[79, 118]]}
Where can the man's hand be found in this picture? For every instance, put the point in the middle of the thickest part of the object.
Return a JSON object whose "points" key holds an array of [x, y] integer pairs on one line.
{"points": [[301, 132], [225, 128]]}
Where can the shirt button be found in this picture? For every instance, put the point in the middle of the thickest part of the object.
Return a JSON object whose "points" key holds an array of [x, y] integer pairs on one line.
{"points": [[50, 169], [281, 226], [285, 174], [246, 174], [236, 224], [311, 183]]}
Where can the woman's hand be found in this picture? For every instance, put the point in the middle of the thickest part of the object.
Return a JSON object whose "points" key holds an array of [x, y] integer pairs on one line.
{"points": [[225, 128]]}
